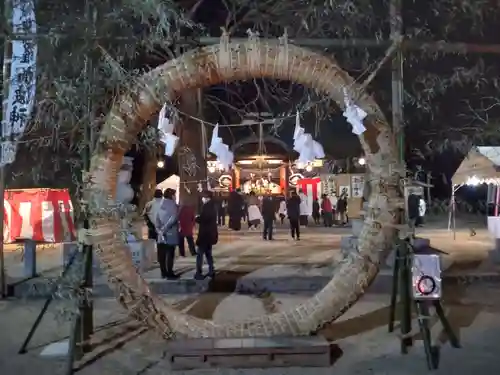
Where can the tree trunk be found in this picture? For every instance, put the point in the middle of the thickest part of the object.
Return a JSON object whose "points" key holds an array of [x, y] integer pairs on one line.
{"points": [[191, 151]]}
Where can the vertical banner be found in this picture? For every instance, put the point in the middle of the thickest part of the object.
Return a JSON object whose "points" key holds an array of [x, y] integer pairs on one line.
{"points": [[22, 85]]}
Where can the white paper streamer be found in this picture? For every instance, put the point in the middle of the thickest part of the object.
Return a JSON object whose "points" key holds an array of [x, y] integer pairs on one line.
{"points": [[217, 147], [354, 115], [166, 132], [308, 149]]}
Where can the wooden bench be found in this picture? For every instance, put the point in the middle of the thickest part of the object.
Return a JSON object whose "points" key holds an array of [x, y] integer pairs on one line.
{"points": [[249, 353]]}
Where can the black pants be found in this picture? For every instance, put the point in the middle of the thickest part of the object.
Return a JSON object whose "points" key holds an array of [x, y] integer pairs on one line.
{"points": [[166, 255], [328, 219], [221, 218], [282, 218], [267, 233], [295, 228], [316, 217], [204, 251], [191, 246], [303, 220]]}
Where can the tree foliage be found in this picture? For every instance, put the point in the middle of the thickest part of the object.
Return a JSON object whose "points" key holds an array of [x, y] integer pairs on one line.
{"points": [[91, 50]]}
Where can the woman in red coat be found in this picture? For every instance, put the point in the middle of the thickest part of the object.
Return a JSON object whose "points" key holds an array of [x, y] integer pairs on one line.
{"points": [[186, 226]]}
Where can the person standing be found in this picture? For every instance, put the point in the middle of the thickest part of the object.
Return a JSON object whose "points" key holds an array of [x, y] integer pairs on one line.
{"points": [[221, 212], [268, 215], [254, 214], [326, 207], [151, 211], [304, 209], [282, 209], [208, 236], [315, 211], [167, 229], [186, 226], [293, 211], [234, 210], [342, 209]]}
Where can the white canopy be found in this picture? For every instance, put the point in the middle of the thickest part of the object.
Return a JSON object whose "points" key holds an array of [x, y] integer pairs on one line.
{"points": [[172, 182]]}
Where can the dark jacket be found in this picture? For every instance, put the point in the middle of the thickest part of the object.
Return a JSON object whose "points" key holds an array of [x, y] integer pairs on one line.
{"points": [[235, 204], [207, 220], [342, 204], [413, 204], [315, 208], [268, 209], [293, 207]]}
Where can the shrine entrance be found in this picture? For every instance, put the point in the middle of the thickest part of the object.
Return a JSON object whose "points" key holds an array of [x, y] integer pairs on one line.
{"points": [[228, 62]]}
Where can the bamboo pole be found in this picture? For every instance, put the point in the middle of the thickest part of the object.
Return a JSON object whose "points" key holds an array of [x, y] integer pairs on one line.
{"points": [[406, 45]]}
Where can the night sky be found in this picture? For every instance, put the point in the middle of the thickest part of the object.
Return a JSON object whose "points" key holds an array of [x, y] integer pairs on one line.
{"points": [[445, 95]]}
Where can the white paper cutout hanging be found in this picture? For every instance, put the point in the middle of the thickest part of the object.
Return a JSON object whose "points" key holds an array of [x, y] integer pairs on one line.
{"points": [[354, 115], [217, 147], [166, 132], [305, 145]]}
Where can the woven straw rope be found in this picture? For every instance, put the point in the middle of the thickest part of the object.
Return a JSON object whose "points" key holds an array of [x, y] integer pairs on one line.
{"points": [[205, 67]]}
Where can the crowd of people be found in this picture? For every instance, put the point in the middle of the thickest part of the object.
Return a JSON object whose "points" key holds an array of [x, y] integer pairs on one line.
{"points": [[268, 210], [172, 226]]}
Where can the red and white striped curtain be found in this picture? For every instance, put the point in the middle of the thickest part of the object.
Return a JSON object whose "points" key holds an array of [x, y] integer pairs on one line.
{"points": [[311, 187], [41, 215]]}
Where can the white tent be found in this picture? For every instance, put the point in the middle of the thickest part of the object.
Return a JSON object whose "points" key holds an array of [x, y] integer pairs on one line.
{"points": [[173, 182]]}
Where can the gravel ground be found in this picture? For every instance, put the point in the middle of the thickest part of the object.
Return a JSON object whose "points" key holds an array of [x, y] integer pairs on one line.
{"points": [[361, 334]]}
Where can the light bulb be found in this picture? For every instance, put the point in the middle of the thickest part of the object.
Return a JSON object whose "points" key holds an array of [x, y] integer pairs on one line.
{"points": [[211, 169], [361, 161], [309, 168], [160, 164]]}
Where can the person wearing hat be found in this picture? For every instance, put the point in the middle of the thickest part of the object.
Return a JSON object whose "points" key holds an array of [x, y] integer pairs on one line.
{"points": [[208, 235], [167, 228]]}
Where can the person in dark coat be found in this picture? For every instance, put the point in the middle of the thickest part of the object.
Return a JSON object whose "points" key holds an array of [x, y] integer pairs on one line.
{"points": [[342, 208], [268, 216], [293, 212], [167, 228], [234, 210], [326, 207], [315, 211], [208, 236]]}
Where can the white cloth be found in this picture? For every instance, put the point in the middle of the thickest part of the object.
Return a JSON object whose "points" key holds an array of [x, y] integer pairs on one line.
{"points": [[304, 205], [254, 213], [422, 207], [333, 201], [282, 208]]}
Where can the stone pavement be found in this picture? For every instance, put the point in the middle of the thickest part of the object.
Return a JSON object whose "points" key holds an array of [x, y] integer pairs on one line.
{"points": [[282, 265], [361, 335]]}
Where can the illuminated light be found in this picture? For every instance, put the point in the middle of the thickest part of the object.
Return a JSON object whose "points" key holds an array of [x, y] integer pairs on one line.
{"points": [[361, 161], [245, 162], [275, 161], [211, 169], [473, 181], [309, 168], [160, 164]]}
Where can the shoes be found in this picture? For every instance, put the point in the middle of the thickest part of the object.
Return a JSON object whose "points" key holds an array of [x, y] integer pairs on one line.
{"points": [[199, 276], [171, 276]]}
